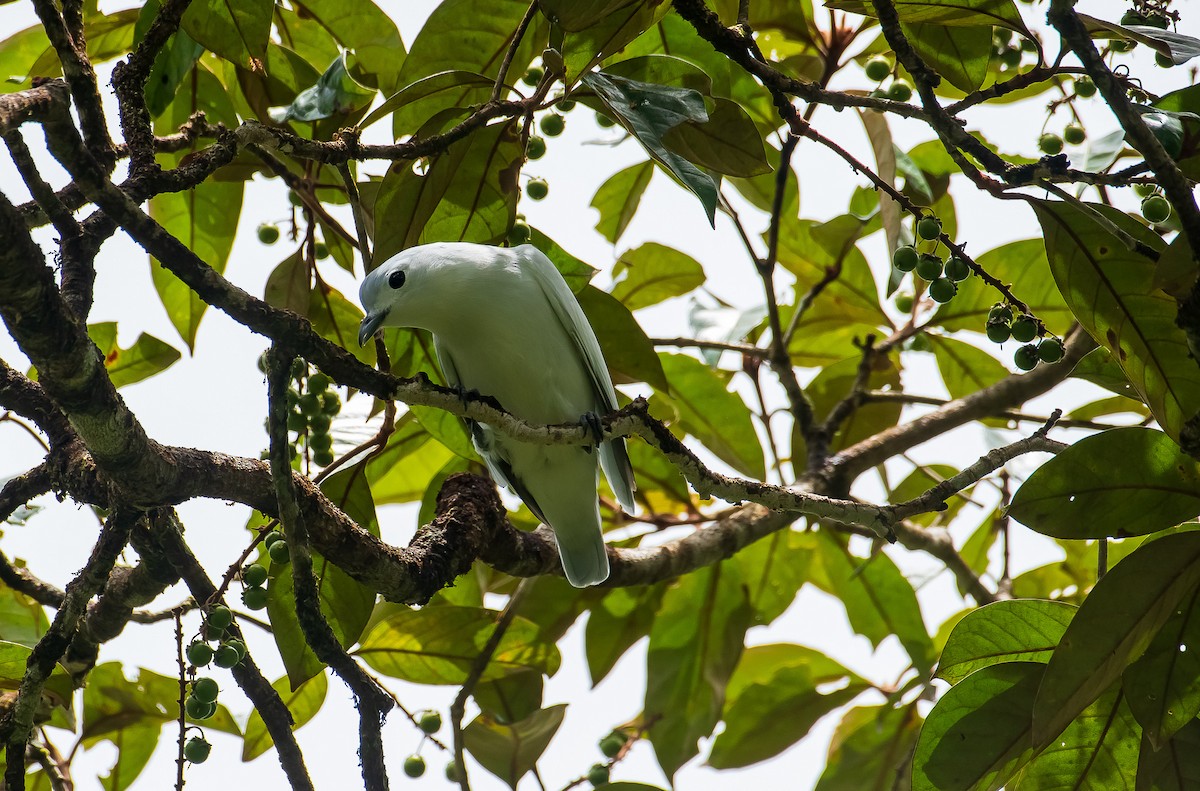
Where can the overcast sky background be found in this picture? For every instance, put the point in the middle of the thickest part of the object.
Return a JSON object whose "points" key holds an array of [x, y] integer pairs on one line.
{"points": [[216, 401]]}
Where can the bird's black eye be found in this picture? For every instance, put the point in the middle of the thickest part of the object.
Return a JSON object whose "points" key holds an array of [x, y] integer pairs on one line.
{"points": [[396, 279]]}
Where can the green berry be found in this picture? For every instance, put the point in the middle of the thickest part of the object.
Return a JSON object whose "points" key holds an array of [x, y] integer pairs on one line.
{"points": [[929, 267], [323, 458], [220, 617], [552, 124], [227, 655], [196, 750], [1144, 190], [320, 251], [929, 227], [272, 537], [1000, 312], [237, 645], [319, 382], [295, 199], [299, 368], [536, 147], [1024, 329], [279, 552], [1028, 45], [1050, 143], [942, 290], [1156, 209], [414, 766], [1121, 45], [310, 403], [900, 91], [604, 122], [1159, 21], [331, 403], [1050, 350], [878, 68], [320, 441], [429, 721], [904, 303], [199, 654], [452, 772], [957, 269], [905, 258], [254, 598], [254, 575], [320, 424], [268, 233], [1132, 17], [205, 689], [198, 709], [1085, 88], [296, 422], [611, 744], [519, 233], [537, 189], [998, 331], [566, 105], [1026, 357], [1074, 134], [598, 774], [533, 75]]}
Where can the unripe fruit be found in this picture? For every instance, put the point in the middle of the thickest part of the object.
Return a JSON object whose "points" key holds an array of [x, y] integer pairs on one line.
{"points": [[255, 599], [598, 774], [196, 750], [205, 689], [198, 709], [533, 76], [929, 227], [331, 403], [199, 654], [320, 424], [1074, 134], [309, 403], [320, 441], [319, 382], [452, 772], [904, 304], [905, 258], [1132, 18], [1156, 209], [268, 234], [1159, 21], [900, 91], [1026, 357], [1121, 45], [877, 68], [1050, 350], [957, 269], [237, 645], [272, 537], [998, 331], [279, 552], [227, 656], [611, 744], [320, 251], [1000, 312], [296, 422], [536, 147], [1024, 329], [537, 189], [604, 122], [414, 766], [219, 617], [254, 575], [566, 105], [519, 233], [1050, 143], [942, 290], [429, 721], [323, 458], [552, 124], [1085, 88], [929, 267]]}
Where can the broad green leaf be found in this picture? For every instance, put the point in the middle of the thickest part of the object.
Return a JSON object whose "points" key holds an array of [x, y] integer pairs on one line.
{"points": [[773, 700], [1017, 630], [618, 198], [285, 74], [607, 36], [238, 32], [959, 54], [664, 69], [1175, 766], [335, 93], [1114, 625], [364, 28], [809, 250], [438, 645], [1163, 686], [977, 734], [289, 284], [616, 622], [760, 191], [920, 481], [510, 698], [728, 142], [1178, 47], [660, 484], [1021, 264], [135, 743], [1097, 752], [879, 601], [22, 620], [870, 749], [1099, 368], [112, 702], [971, 13], [711, 413], [415, 104], [408, 464], [1109, 289], [510, 750], [303, 702], [653, 273], [695, 643], [13, 660], [649, 111], [18, 53], [336, 319], [1118, 483], [576, 15], [577, 273], [174, 61], [627, 351], [1113, 405], [777, 566], [145, 358]]}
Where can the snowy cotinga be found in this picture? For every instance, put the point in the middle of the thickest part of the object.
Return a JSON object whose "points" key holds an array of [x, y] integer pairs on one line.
{"points": [[506, 325]]}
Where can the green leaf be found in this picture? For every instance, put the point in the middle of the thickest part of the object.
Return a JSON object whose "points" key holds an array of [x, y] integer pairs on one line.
{"points": [[575, 15], [1118, 483], [408, 464], [653, 273], [1178, 47], [922, 479], [22, 620], [728, 142], [1114, 625], [145, 358], [1099, 368], [336, 319], [288, 285], [627, 351], [112, 702], [135, 744], [510, 698], [649, 111], [959, 54], [809, 250], [968, 13], [1021, 264], [438, 645], [364, 28], [773, 700], [174, 61], [335, 93], [609, 35], [1017, 630], [977, 735], [1163, 686], [776, 566], [834, 383], [870, 749], [415, 104], [616, 622], [237, 31], [1173, 767], [618, 198], [510, 751], [1110, 291], [1099, 750], [303, 702], [577, 273], [468, 194], [1113, 405], [711, 413], [694, 645]]}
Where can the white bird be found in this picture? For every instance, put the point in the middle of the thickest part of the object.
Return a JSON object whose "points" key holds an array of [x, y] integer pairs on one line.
{"points": [[506, 325]]}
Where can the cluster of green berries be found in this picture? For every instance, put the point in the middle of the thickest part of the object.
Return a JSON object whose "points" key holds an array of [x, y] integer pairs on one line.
{"points": [[1155, 208], [277, 550], [550, 124], [520, 231], [1007, 52], [943, 276], [1052, 143], [254, 578], [1152, 19], [312, 406], [229, 651], [1002, 324], [878, 69], [430, 722]]}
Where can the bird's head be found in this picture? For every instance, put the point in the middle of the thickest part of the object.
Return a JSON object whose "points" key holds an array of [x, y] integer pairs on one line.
{"points": [[383, 294]]}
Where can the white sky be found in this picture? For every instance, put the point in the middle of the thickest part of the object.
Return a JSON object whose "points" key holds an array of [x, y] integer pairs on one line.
{"points": [[216, 400]]}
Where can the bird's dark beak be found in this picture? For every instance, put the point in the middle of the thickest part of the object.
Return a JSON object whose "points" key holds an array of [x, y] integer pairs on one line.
{"points": [[370, 323]]}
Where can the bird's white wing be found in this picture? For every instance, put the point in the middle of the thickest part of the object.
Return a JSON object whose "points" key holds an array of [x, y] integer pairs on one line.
{"points": [[613, 456]]}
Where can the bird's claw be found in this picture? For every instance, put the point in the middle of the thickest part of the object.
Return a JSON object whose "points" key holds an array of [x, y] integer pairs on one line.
{"points": [[591, 422]]}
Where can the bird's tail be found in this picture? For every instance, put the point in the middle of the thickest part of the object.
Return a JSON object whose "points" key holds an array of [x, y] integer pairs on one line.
{"points": [[583, 554]]}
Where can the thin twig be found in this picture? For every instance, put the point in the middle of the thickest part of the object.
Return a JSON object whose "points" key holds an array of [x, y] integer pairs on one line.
{"points": [[518, 34]]}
